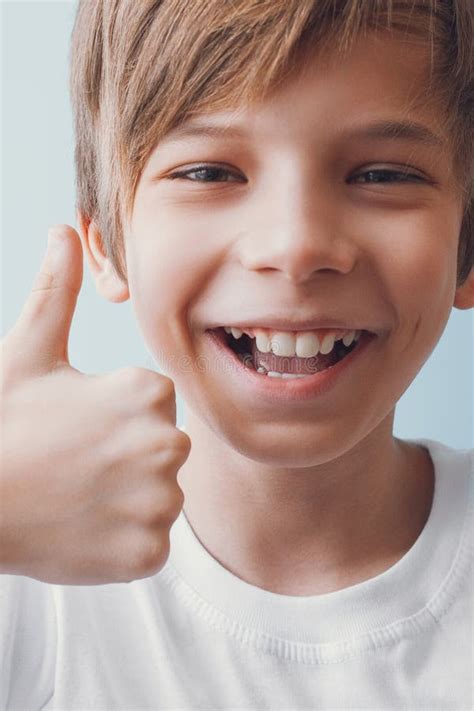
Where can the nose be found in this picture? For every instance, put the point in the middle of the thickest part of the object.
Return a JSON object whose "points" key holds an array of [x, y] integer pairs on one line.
{"points": [[301, 237]]}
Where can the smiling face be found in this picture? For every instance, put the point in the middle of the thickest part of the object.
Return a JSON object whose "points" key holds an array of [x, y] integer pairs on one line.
{"points": [[302, 215]]}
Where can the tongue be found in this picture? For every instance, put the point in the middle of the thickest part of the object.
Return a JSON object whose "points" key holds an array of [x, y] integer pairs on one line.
{"points": [[293, 364]]}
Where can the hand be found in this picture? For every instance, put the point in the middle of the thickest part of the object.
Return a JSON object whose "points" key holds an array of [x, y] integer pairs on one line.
{"points": [[89, 463]]}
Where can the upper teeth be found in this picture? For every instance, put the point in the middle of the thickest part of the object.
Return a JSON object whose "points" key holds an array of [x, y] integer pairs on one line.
{"points": [[304, 344]]}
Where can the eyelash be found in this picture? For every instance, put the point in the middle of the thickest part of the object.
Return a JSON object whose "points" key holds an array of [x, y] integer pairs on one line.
{"points": [[406, 177]]}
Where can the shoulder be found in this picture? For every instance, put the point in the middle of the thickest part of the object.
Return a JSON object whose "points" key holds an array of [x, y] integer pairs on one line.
{"points": [[449, 460], [454, 476]]}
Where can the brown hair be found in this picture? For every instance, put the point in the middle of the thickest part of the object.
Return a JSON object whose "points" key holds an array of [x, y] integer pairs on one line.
{"points": [[141, 67]]}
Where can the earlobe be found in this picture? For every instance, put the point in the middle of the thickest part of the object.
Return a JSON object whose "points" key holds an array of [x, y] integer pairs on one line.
{"points": [[107, 281], [464, 298]]}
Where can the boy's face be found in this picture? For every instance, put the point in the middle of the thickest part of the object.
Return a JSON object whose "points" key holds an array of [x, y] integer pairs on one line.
{"points": [[289, 231]]}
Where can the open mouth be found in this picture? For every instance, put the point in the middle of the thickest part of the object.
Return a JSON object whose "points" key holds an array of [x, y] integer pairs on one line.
{"points": [[286, 366]]}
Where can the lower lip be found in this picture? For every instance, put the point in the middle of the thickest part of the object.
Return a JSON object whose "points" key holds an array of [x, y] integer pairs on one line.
{"points": [[280, 390]]}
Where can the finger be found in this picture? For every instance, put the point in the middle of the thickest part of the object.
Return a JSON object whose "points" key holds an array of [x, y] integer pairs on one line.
{"points": [[45, 321]]}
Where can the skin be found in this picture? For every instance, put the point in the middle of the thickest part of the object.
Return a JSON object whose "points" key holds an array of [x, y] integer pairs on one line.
{"points": [[324, 489]]}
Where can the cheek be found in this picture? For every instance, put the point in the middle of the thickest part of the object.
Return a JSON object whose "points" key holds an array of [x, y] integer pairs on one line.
{"points": [[158, 260], [170, 263], [175, 250], [417, 255], [417, 264]]}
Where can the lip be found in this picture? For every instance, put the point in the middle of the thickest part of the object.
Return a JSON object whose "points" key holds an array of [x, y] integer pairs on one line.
{"points": [[281, 390]]}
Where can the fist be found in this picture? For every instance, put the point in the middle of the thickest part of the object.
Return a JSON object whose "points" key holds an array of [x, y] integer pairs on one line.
{"points": [[89, 463]]}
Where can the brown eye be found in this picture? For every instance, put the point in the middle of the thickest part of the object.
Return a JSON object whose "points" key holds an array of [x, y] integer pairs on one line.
{"points": [[383, 175], [207, 173]]}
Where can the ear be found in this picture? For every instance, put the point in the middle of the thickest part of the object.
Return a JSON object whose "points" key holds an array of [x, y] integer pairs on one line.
{"points": [[107, 281], [464, 298]]}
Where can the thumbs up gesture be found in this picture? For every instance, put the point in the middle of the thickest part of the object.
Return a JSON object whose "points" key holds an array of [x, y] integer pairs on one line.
{"points": [[89, 463]]}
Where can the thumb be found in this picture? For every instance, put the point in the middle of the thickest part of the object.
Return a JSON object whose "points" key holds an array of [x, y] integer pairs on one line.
{"points": [[45, 320]]}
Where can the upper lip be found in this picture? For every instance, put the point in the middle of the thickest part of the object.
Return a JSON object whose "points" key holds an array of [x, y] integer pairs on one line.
{"points": [[277, 323]]}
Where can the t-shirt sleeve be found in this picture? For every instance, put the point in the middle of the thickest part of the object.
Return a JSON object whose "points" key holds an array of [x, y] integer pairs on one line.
{"points": [[27, 643]]}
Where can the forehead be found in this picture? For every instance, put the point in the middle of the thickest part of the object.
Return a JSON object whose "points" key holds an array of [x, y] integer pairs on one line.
{"points": [[381, 70], [375, 91]]}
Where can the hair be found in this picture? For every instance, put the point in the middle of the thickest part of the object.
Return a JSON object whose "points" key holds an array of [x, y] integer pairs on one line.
{"points": [[139, 68]]}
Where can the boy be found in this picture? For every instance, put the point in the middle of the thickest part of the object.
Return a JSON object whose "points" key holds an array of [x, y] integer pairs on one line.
{"points": [[284, 190]]}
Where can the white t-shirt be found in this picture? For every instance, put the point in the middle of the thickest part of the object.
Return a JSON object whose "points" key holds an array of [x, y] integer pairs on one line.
{"points": [[195, 636]]}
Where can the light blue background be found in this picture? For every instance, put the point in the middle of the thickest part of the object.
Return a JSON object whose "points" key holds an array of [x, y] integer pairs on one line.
{"points": [[38, 191]]}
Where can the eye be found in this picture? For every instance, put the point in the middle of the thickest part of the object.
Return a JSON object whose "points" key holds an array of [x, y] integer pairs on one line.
{"points": [[384, 175], [216, 174], [207, 173]]}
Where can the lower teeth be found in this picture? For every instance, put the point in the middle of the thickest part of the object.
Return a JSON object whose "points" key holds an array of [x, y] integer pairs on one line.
{"points": [[246, 359], [276, 374]]}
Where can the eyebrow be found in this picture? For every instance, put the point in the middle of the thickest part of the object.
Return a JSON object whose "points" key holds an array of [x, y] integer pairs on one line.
{"points": [[382, 130]]}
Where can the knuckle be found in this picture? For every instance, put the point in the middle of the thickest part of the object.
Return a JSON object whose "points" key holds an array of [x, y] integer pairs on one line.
{"points": [[162, 389], [183, 443], [158, 388], [175, 503], [167, 457], [178, 443], [44, 281], [131, 375], [152, 554], [163, 509]]}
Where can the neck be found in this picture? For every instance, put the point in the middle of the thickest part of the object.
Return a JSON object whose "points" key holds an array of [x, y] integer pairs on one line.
{"points": [[307, 530]]}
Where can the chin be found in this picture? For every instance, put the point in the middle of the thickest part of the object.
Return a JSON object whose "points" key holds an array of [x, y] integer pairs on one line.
{"points": [[280, 445]]}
